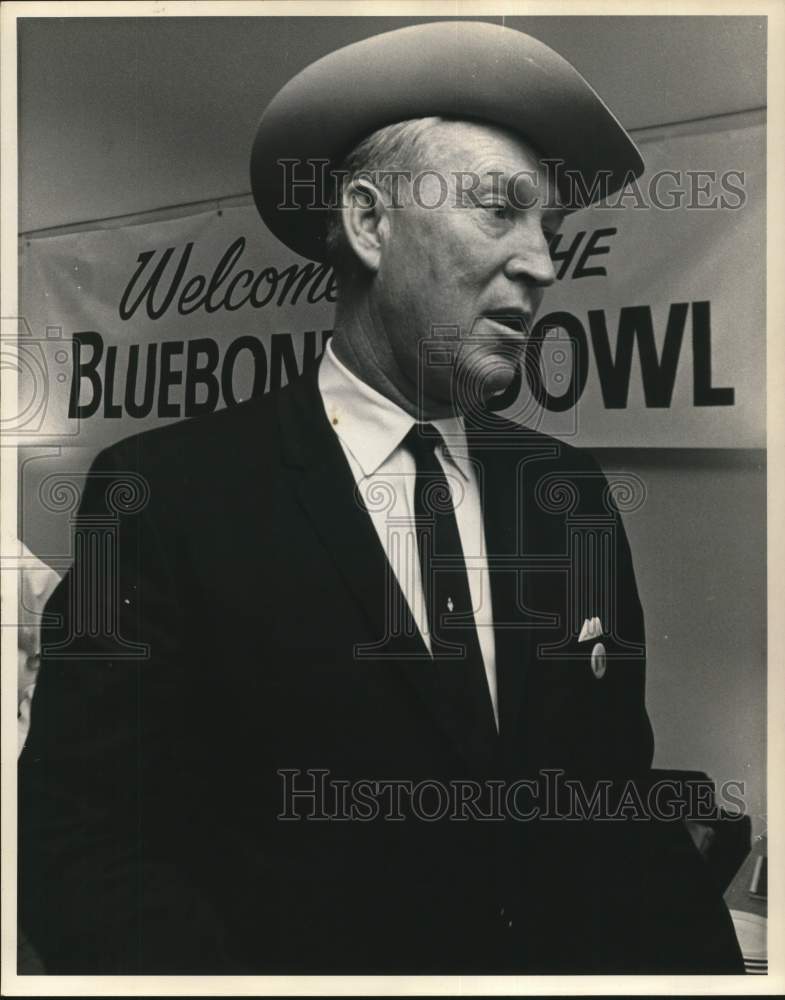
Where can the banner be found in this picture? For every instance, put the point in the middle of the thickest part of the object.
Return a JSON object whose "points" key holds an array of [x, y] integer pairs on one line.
{"points": [[652, 336]]}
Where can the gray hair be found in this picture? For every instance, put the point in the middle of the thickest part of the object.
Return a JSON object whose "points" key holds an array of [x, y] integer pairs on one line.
{"points": [[393, 147]]}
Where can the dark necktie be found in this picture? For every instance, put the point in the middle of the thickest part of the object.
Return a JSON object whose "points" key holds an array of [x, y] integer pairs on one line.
{"points": [[458, 671]]}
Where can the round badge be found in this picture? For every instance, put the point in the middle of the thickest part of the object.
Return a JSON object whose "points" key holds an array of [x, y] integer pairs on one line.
{"points": [[598, 661]]}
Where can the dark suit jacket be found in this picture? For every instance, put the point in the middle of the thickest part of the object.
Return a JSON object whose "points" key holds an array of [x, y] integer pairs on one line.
{"points": [[225, 631]]}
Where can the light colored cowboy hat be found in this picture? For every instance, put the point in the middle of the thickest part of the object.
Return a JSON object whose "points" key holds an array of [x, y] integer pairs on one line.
{"points": [[469, 70]]}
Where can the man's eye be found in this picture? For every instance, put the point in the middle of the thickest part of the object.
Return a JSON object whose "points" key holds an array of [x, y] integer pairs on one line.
{"points": [[498, 210]]}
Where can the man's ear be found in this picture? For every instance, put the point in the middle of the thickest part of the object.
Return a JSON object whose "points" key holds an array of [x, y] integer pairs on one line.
{"points": [[365, 221]]}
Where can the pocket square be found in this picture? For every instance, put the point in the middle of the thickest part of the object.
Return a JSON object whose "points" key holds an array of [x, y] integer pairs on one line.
{"points": [[592, 629]]}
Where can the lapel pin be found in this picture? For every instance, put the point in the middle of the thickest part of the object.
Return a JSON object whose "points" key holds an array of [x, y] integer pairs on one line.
{"points": [[598, 661], [450, 605]]}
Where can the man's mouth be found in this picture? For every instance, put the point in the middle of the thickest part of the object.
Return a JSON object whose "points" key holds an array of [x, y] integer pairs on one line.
{"points": [[513, 320]]}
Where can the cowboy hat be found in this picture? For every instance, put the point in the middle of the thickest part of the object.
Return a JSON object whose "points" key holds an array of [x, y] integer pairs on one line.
{"points": [[469, 70]]}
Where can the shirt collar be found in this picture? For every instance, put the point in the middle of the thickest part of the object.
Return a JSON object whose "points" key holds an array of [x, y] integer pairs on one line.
{"points": [[372, 426]]}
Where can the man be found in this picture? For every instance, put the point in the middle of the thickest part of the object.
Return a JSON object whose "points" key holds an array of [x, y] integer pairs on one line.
{"points": [[341, 606]]}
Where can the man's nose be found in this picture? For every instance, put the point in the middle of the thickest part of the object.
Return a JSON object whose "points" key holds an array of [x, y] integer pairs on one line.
{"points": [[531, 258]]}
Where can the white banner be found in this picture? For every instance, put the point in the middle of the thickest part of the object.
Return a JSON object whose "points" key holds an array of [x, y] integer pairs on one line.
{"points": [[653, 336], [665, 298]]}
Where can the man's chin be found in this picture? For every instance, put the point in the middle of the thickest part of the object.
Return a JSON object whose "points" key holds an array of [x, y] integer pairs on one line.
{"points": [[495, 377], [475, 386]]}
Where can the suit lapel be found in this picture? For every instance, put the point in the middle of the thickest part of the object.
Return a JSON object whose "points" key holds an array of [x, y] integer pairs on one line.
{"points": [[507, 456], [497, 487], [325, 488]]}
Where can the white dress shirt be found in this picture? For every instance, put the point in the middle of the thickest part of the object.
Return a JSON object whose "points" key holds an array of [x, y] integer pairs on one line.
{"points": [[371, 429]]}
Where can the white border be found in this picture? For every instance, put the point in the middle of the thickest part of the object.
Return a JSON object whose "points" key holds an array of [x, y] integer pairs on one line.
{"points": [[774, 982]]}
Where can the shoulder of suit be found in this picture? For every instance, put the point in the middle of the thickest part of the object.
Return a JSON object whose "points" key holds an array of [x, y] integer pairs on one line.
{"points": [[213, 438]]}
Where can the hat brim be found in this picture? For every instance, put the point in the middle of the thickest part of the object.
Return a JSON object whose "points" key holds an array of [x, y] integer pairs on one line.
{"points": [[457, 69]]}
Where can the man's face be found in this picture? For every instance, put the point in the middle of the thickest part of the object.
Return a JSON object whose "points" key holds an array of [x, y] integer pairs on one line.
{"points": [[474, 267]]}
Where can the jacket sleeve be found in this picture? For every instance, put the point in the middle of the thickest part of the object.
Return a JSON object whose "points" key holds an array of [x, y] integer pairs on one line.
{"points": [[108, 768]]}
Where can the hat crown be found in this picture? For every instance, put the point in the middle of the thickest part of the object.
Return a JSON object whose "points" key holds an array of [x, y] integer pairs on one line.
{"points": [[472, 70]]}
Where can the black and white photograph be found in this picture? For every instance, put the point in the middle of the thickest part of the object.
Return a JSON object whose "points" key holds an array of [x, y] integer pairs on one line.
{"points": [[386, 506]]}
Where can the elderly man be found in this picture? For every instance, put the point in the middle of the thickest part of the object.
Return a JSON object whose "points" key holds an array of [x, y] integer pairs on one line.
{"points": [[378, 651]]}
